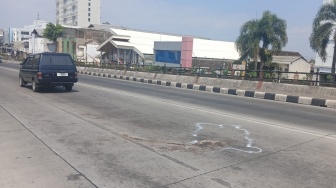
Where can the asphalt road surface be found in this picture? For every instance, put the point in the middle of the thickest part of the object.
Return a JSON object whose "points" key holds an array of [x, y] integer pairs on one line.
{"points": [[115, 133]]}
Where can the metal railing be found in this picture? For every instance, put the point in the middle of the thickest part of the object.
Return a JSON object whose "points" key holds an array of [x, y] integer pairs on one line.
{"points": [[302, 78]]}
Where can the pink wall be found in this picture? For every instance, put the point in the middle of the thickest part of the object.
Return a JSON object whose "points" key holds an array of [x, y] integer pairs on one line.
{"points": [[186, 51]]}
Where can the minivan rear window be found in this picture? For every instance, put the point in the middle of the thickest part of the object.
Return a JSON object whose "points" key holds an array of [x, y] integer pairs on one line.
{"points": [[56, 60]]}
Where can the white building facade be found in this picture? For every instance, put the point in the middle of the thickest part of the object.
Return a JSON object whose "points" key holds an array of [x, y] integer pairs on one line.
{"points": [[23, 34], [80, 13]]}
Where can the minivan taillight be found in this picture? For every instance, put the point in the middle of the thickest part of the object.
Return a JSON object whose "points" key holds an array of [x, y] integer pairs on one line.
{"points": [[39, 75], [76, 74]]}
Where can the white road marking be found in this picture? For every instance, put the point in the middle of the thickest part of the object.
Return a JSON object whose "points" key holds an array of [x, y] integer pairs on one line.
{"points": [[269, 124], [14, 70]]}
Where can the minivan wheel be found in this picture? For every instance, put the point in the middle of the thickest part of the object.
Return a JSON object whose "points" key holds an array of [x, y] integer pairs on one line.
{"points": [[22, 83], [68, 87], [34, 87]]}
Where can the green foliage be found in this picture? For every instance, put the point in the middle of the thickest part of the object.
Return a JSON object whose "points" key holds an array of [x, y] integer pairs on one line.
{"points": [[329, 78], [225, 72], [261, 37], [323, 30], [152, 68], [252, 74], [268, 75], [198, 71], [52, 32], [119, 67], [247, 43], [213, 72]]}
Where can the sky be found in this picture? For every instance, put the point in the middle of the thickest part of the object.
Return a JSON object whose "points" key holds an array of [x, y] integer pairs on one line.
{"points": [[213, 19]]}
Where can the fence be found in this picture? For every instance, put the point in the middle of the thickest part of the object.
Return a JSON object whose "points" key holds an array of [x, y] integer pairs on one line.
{"points": [[302, 78]]}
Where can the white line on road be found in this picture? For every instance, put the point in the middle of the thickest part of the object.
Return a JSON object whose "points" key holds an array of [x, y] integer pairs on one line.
{"points": [[14, 70], [284, 127]]}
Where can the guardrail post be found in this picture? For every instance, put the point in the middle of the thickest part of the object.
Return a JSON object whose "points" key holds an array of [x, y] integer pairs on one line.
{"points": [[220, 71], [317, 76], [278, 75]]}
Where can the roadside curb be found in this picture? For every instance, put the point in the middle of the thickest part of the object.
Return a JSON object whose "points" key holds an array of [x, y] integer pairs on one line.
{"points": [[238, 92]]}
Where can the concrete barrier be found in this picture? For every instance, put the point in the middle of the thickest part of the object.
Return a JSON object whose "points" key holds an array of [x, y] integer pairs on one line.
{"points": [[305, 100], [240, 92], [262, 87], [224, 91], [259, 95], [209, 89], [184, 85], [173, 84], [331, 103], [196, 87], [281, 97]]}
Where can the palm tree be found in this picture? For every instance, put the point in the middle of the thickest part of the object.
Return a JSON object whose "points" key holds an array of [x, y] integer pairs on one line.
{"points": [[247, 44], [262, 37], [273, 36], [52, 32], [323, 30]]}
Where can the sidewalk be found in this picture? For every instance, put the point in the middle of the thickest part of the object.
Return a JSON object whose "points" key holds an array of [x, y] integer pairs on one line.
{"points": [[25, 161]]}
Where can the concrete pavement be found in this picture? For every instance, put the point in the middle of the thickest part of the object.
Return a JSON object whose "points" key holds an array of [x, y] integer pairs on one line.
{"points": [[26, 161], [125, 134]]}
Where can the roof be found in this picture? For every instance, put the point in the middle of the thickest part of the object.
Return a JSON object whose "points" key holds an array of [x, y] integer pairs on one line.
{"points": [[38, 32], [100, 27], [287, 53], [287, 57], [144, 42]]}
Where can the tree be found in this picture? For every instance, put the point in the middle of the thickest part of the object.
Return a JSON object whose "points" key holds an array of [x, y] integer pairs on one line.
{"points": [[52, 32], [247, 44], [262, 37], [323, 30]]}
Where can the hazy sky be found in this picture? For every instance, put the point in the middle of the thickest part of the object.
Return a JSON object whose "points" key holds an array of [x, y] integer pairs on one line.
{"points": [[214, 19]]}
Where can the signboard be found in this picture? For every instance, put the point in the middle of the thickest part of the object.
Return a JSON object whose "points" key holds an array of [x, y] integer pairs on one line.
{"points": [[238, 67]]}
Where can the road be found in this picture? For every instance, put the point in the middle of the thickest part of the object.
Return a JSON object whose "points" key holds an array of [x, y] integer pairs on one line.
{"points": [[115, 133]]}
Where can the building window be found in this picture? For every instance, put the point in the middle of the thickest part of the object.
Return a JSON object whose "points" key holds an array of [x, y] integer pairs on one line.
{"points": [[89, 19], [89, 14], [89, 4], [89, 9]]}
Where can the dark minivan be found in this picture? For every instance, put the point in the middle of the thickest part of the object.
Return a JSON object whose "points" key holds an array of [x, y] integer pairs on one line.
{"points": [[48, 70]]}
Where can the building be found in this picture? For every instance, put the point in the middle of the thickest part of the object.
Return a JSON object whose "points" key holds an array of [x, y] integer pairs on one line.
{"points": [[292, 62], [19, 35], [39, 44], [17, 39], [23, 34], [2, 31], [82, 43], [77, 12], [129, 46]]}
